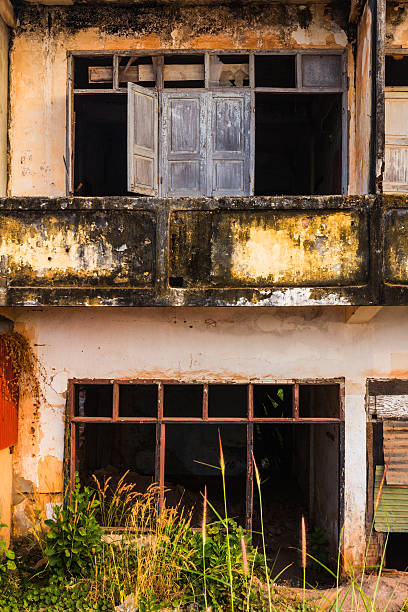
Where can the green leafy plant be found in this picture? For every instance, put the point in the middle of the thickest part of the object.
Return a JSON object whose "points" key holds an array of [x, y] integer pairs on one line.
{"points": [[7, 560], [74, 537]]}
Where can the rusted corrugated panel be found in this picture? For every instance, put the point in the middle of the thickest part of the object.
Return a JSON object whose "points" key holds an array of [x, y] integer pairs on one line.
{"points": [[8, 404], [395, 443], [392, 512]]}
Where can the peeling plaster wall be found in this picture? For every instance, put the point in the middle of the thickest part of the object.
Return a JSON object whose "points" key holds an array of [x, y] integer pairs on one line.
{"points": [[210, 343], [45, 34], [396, 25], [4, 46]]}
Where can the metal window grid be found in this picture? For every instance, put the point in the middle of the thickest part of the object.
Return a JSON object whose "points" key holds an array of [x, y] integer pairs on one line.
{"points": [[161, 421]]}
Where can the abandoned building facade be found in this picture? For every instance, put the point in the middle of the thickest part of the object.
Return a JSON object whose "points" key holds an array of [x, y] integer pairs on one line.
{"points": [[204, 226]]}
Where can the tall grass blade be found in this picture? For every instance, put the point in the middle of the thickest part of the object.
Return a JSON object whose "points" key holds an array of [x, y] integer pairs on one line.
{"points": [[258, 483]]}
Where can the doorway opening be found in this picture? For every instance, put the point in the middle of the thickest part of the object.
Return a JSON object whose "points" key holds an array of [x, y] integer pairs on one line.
{"points": [[100, 145], [298, 144]]}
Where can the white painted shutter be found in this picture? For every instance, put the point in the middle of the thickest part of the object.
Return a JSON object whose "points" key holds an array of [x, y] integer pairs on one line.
{"points": [[183, 144], [230, 144], [142, 140], [396, 142]]}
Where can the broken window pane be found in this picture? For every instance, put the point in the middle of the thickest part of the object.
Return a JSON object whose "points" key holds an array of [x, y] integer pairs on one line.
{"points": [[275, 70], [229, 70], [273, 401], [229, 401], [93, 400], [320, 401], [183, 401], [396, 70], [93, 72], [138, 401]]}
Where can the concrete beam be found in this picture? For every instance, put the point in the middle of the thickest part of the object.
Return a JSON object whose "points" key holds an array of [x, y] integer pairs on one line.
{"points": [[7, 13], [361, 314]]}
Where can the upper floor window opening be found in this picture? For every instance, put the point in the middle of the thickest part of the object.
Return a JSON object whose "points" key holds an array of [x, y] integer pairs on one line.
{"points": [[207, 124]]}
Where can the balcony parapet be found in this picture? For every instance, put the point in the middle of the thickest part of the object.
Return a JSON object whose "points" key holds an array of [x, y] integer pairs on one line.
{"points": [[257, 251]]}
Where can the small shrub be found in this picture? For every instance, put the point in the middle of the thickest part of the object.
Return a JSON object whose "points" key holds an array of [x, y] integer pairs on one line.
{"points": [[74, 536], [7, 560], [216, 571]]}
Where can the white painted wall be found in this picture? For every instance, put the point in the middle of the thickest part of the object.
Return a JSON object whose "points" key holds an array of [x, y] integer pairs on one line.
{"points": [[209, 343]]}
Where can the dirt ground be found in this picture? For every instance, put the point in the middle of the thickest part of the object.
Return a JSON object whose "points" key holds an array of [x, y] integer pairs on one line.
{"points": [[391, 594]]}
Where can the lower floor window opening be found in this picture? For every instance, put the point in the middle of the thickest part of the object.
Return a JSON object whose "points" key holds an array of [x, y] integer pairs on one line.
{"points": [[292, 431]]}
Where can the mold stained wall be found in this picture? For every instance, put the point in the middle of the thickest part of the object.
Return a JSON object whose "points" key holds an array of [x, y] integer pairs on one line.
{"points": [[5, 456], [396, 25], [220, 344], [45, 34]]}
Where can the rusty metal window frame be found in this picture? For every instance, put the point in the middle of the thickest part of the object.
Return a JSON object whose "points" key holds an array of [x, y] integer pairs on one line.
{"points": [[161, 421]]}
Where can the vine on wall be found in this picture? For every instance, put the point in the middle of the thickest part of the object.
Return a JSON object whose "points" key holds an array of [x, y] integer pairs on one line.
{"points": [[22, 372]]}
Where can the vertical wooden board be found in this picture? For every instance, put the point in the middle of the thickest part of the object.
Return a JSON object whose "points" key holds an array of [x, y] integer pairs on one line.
{"points": [[182, 139], [8, 403], [229, 143], [142, 140], [396, 142]]}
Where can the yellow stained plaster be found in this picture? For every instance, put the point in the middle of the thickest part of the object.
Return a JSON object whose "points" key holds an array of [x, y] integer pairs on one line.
{"points": [[290, 249], [63, 249]]}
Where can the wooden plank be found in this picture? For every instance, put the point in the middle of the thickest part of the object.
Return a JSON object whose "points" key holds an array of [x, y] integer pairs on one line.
{"points": [[392, 512], [146, 72], [396, 142], [8, 402]]}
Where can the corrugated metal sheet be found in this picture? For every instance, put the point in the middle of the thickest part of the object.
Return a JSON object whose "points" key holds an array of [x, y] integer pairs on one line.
{"points": [[395, 444], [392, 512], [8, 405]]}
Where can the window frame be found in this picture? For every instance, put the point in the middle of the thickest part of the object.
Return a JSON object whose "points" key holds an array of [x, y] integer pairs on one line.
{"points": [[206, 53], [249, 421]]}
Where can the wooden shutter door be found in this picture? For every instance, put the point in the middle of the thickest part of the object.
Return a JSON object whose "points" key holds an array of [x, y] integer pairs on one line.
{"points": [[142, 140], [183, 144], [396, 142], [230, 143], [8, 403]]}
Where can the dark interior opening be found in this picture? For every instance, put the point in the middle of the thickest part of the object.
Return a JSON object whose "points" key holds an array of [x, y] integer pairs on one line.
{"points": [[189, 471], [275, 70], [273, 401], [183, 401], [299, 464], [319, 401], [396, 552], [298, 144], [100, 145], [299, 470], [109, 450], [81, 72], [396, 70]]}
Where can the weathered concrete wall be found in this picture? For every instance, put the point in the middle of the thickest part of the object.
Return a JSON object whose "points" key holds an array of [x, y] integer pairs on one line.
{"points": [[44, 35], [211, 344], [396, 24], [4, 48]]}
